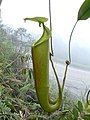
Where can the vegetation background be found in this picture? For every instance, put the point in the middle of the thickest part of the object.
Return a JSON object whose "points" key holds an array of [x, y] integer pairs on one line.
{"points": [[18, 100]]}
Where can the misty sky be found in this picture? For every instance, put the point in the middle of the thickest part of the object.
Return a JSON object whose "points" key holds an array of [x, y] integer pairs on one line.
{"points": [[64, 16]]}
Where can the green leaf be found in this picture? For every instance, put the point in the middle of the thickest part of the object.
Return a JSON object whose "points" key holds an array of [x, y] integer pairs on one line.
{"points": [[87, 117], [75, 113], [1, 89], [84, 11], [1, 64], [80, 106], [37, 19], [16, 116], [24, 89], [35, 106], [88, 110], [10, 105], [65, 111]]}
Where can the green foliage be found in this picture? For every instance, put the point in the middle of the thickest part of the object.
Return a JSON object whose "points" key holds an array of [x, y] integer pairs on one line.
{"points": [[78, 112], [18, 100], [6, 112], [80, 106], [13, 104], [84, 11], [75, 113]]}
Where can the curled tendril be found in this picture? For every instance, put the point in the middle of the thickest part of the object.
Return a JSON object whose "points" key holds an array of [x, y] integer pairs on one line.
{"points": [[88, 97]]}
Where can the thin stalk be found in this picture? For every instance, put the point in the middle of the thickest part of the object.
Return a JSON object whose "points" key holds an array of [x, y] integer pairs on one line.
{"points": [[65, 73], [55, 72], [68, 61], [70, 41], [50, 17]]}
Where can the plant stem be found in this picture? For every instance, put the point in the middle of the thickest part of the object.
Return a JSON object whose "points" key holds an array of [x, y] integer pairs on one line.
{"points": [[12, 62], [70, 41], [50, 17], [55, 72], [65, 73]]}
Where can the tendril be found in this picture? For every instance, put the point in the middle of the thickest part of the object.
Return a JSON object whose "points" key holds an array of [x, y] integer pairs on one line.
{"points": [[87, 98]]}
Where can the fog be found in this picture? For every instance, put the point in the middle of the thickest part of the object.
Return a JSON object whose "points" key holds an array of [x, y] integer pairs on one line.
{"points": [[80, 52], [64, 16]]}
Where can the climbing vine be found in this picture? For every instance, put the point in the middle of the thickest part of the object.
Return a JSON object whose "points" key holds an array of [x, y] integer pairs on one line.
{"points": [[41, 56]]}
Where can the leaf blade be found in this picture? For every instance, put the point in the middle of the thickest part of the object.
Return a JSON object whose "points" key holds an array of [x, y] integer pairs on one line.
{"points": [[75, 113], [80, 106], [84, 11]]}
